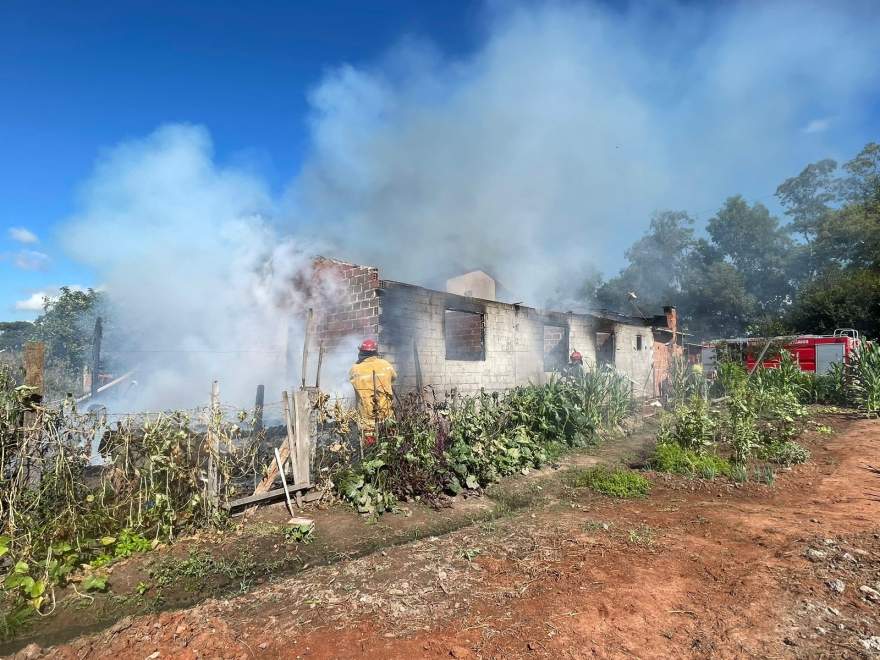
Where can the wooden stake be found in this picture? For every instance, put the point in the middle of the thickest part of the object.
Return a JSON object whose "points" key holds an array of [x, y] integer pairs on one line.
{"points": [[308, 332], [258, 409], [213, 446], [320, 362], [96, 355], [284, 482]]}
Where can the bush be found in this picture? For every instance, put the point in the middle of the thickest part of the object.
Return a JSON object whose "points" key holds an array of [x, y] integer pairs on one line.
{"points": [[689, 425], [432, 448], [786, 453], [616, 482], [671, 457]]}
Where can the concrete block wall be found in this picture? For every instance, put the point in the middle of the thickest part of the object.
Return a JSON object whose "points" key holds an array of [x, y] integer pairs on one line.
{"points": [[635, 362], [582, 336], [413, 337], [411, 325]]}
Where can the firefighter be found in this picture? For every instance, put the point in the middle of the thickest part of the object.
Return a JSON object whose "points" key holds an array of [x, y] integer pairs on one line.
{"points": [[372, 379], [575, 367]]}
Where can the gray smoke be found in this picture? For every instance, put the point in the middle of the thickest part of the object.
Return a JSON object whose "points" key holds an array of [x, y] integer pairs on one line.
{"points": [[538, 156]]}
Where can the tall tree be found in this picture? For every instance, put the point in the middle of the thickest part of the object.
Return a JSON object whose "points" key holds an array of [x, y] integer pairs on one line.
{"points": [[752, 241], [808, 197], [656, 264]]}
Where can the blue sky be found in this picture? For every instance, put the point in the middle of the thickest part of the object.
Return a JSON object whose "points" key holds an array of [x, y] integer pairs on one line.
{"points": [[454, 119], [78, 77]]}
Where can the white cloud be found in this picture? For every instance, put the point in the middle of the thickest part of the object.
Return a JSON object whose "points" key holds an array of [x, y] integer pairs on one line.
{"points": [[818, 125], [30, 260], [23, 235], [34, 303]]}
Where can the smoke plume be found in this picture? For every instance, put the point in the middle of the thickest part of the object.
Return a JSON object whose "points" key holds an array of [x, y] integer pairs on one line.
{"points": [[538, 156]]}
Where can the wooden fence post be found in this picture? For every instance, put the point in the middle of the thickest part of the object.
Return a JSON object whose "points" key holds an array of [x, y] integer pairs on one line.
{"points": [[34, 363], [258, 409], [306, 339], [213, 446], [96, 355]]}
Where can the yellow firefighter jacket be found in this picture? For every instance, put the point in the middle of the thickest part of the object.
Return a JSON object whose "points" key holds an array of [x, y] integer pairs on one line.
{"points": [[361, 378]]}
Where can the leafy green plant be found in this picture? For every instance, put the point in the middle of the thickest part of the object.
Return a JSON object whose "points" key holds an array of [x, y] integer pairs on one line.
{"points": [[786, 453], [865, 372], [614, 482], [301, 533], [643, 536], [673, 458], [689, 425]]}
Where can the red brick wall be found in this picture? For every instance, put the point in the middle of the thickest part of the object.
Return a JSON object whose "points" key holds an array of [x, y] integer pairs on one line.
{"points": [[353, 308]]}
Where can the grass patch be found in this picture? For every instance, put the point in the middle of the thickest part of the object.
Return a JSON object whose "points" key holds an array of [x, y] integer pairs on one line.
{"points": [[642, 536], [617, 482], [670, 457]]}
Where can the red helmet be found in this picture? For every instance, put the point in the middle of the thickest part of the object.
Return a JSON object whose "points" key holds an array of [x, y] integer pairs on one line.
{"points": [[576, 357], [369, 346]]}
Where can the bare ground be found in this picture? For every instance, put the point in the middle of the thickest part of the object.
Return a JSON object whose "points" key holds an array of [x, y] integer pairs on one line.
{"points": [[698, 569]]}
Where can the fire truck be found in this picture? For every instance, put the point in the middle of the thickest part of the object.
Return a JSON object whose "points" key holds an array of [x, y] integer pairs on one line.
{"points": [[814, 353]]}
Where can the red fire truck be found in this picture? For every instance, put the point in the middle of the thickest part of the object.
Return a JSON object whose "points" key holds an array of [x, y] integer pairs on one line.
{"points": [[815, 353]]}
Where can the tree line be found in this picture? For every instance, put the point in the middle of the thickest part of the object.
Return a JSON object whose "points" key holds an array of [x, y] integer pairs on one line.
{"points": [[752, 274]]}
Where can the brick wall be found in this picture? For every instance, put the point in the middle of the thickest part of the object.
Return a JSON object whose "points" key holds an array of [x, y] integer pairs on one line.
{"points": [[353, 306]]}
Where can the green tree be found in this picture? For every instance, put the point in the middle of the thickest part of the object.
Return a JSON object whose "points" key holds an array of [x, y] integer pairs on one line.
{"points": [[754, 243], [13, 334], [66, 326], [656, 264], [808, 197]]}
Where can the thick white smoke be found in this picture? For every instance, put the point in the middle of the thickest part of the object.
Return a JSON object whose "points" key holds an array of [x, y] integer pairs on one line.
{"points": [[202, 286], [547, 149], [537, 156]]}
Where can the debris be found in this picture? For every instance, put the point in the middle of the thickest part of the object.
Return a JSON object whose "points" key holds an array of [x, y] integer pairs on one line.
{"points": [[815, 555], [871, 643], [870, 594], [849, 557], [836, 585]]}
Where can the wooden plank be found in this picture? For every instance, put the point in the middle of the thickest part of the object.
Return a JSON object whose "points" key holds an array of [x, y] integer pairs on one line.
{"points": [[302, 407], [34, 363], [292, 452], [256, 498]]}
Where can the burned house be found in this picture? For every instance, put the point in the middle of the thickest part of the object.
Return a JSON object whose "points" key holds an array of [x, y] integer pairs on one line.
{"points": [[447, 340]]}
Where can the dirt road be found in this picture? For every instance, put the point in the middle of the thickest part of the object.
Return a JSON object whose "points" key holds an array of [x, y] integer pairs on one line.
{"points": [[698, 569]]}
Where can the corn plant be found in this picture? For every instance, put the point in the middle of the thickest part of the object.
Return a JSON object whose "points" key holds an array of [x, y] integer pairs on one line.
{"points": [[865, 372]]}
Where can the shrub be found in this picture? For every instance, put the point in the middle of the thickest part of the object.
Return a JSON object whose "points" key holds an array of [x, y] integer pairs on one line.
{"points": [[671, 457], [740, 430], [689, 425], [865, 369], [786, 453], [616, 482]]}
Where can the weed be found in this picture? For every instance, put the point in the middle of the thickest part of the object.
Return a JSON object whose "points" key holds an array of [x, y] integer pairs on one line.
{"points": [[642, 536], [596, 526], [786, 453], [469, 554], [670, 457], [616, 482], [302, 533], [689, 425], [739, 473], [764, 474]]}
